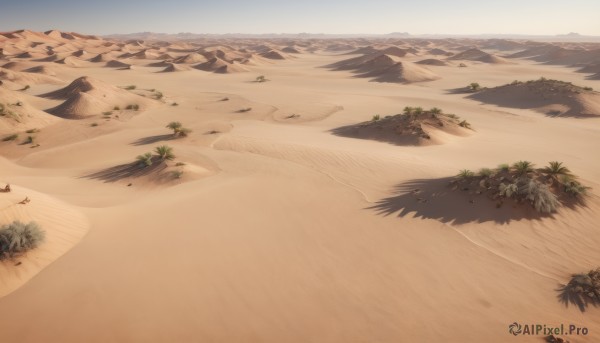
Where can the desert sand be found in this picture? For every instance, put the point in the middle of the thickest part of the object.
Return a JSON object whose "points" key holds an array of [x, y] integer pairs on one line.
{"points": [[278, 220]]}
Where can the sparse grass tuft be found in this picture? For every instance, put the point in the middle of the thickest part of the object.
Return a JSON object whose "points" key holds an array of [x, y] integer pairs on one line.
{"points": [[94, 124], [375, 117], [130, 87]]}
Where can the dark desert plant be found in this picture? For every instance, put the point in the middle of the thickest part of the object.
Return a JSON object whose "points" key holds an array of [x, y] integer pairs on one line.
{"points": [[522, 167], [465, 124], [555, 169], [145, 160], [164, 152], [474, 87], [17, 238], [486, 172], [539, 195], [582, 290], [408, 110], [261, 78], [375, 117], [10, 137], [435, 110], [465, 174], [175, 126]]}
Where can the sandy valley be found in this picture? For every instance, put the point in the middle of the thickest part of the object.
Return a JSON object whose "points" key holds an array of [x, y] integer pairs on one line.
{"points": [[315, 190]]}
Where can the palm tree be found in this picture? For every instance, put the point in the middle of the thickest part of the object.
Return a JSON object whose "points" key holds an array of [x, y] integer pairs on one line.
{"points": [[555, 169], [145, 160], [175, 126], [165, 152], [523, 167]]}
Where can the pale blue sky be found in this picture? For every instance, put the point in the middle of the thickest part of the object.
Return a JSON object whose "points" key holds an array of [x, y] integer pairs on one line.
{"points": [[313, 16]]}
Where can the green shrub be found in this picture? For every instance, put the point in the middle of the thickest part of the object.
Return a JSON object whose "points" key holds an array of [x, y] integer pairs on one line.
{"points": [[474, 87], [486, 172], [134, 107], [522, 167], [418, 110], [145, 160], [17, 238], [408, 110], [465, 174], [375, 117], [465, 124], [504, 167], [175, 126], [435, 110], [261, 78], [164, 152]]}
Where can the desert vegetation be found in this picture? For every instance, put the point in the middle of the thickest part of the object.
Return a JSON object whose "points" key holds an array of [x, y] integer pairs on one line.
{"points": [[582, 290], [545, 189], [5, 112], [18, 238], [11, 137], [178, 129], [163, 153], [414, 125]]}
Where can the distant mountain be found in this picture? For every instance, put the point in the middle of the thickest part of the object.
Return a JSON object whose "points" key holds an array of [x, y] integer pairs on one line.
{"points": [[570, 37]]}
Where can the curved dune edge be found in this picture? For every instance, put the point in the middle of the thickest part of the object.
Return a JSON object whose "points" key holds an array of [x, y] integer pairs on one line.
{"points": [[65, 226]]}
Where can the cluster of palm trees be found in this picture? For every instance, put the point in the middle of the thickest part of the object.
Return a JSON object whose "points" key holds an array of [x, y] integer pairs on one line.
{"points": [[523, 182], [178, 129], [163, 153]]}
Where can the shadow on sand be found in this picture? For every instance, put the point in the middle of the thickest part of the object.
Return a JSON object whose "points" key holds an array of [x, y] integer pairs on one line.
{"points": [[568, 295], [435, 199], [153, 139], [129, 170]]}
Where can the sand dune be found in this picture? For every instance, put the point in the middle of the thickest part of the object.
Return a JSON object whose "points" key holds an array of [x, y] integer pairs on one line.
{"points": [[385, 68], [426, 128], [172, 67], [479, 56], [432, 62], [64, 226], [87, 97], [220, 66], [554, 98], [296, 205]]}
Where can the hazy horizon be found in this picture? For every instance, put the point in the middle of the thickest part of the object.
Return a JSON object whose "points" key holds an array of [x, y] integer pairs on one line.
{"points": [[428, 17]]}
